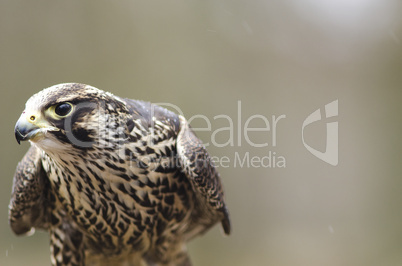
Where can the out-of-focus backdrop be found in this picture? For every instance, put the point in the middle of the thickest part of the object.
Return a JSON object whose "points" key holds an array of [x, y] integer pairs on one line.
{"points": [[213, 58]]}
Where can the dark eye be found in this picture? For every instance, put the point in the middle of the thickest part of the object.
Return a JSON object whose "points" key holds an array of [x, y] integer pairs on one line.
{"points": [[63, 109]]}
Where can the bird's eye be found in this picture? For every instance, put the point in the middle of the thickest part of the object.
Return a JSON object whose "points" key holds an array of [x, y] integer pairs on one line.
{"points": [[63, 109]]}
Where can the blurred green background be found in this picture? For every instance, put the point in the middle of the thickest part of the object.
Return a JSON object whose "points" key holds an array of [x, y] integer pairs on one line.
{"points": [[283, 57]]}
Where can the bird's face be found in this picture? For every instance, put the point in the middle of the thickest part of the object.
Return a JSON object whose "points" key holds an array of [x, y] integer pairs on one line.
{"points": [[68, 116]]}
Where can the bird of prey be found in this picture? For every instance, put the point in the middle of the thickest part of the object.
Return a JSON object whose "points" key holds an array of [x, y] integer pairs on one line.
{"points": [[114, 181]]}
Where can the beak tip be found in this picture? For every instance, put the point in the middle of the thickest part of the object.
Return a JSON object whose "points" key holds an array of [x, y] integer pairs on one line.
{"points": [[17, 136]]}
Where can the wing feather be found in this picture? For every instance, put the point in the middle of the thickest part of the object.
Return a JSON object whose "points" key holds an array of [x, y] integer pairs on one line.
{"points": [[201, 171], [28, 198], [192, 156]]}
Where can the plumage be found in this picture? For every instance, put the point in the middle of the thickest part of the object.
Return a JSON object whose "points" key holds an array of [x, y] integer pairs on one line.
{"points": [[113, 180]]}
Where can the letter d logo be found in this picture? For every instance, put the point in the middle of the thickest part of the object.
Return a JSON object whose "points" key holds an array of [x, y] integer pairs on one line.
{"points": [[331, 151]]}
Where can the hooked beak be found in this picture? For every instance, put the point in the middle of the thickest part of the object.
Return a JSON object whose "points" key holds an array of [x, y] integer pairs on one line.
{"points": [[31, 127]]}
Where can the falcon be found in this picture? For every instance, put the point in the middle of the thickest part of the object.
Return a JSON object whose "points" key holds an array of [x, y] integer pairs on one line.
{"points": [[114, 181]]}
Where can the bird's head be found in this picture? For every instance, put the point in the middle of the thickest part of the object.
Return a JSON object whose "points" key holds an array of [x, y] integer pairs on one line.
{"points": [[71, 115]]}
